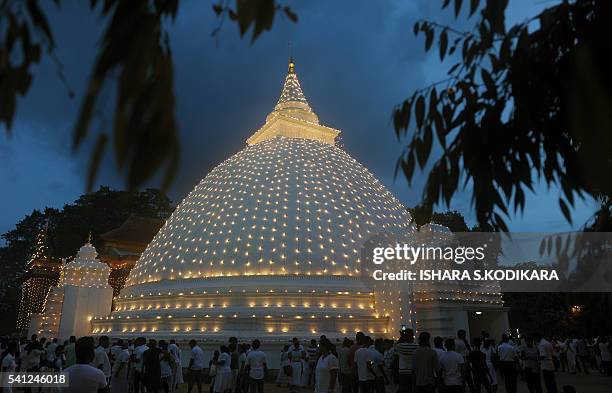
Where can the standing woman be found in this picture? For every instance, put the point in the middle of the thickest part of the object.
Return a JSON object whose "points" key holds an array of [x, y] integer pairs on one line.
{"points": [[166, 365], [491, 357], [8, 362], [224, 371], [177, 374], [571, 355], [243, 377], [531, 361], [284, 373], [121, 367], [296, 356], [326, 370], [31, 361], [151, 369]]}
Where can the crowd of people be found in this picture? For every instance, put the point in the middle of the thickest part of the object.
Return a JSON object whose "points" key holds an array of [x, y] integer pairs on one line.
{"points": [[362, 365]]}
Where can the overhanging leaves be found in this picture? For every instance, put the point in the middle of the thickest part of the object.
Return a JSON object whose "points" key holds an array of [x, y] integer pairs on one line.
{"points": [[520, 107]]}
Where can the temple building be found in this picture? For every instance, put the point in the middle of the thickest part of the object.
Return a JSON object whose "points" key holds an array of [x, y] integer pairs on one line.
{"points": [[82, 293], [269, 245], [42, 272], [119, 249]]}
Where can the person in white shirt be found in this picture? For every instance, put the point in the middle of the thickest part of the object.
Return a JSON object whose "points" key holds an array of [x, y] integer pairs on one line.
{"points": [[114, 351], [177, 373], [364, 359], [547, 364], [196, 365], [8, 363], [378, 365], [69, 351], [119, 380], [530, 355], [439, 346], [452, 364], [257, 366], [605, 350], [31, 358], [285, 363], [82, 376], [488, 348], [508, 363], [297, 355], [101, 360], [571, 355], [326, 370], [50, 355], [140, 347], [224, 371], [166, 367], [59, 362]]}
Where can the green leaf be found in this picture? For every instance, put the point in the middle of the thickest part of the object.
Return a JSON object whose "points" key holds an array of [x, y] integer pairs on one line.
{"points": [[290, 14], [439, 127], [565, 210], [433, 99], [218, 9], [264, 17], [420, 111], [408, 166], [473, 6], [443, 43], [489, 82], [495, 13], [458, 7], [429, 37], [424, 148], [39, 20]]}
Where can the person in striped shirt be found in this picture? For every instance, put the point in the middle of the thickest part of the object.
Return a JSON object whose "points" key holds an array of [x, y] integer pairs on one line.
{"points": [[312, 353], [405, 349]]}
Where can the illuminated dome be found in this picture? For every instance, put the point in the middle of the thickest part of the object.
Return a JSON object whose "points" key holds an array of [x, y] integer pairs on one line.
{"points": [[85, 270], [268, 242]]}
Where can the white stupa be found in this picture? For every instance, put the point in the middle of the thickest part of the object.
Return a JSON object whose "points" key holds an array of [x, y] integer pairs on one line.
{"points": [[269, 243], [82, 293]]}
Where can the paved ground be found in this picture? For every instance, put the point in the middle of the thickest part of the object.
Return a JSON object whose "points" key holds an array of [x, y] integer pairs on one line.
{"points": [[594, 383]]}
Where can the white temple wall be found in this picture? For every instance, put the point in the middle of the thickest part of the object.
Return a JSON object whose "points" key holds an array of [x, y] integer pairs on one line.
{"points": [[445, 320], [494, 321], [80, 305], [35, 322]]}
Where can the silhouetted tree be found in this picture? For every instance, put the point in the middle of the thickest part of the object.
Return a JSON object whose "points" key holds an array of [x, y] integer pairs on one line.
{"points": [[68, 229], [520, 104], [135, 56]]}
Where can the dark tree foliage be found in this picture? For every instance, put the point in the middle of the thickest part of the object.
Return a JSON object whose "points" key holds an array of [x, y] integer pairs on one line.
{"points": [[135, 58], [553, 314], [521, 104], [453, 220], [68, 228]]}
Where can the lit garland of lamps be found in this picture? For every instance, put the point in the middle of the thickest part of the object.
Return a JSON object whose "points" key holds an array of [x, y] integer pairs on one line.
{"points": [[42, 272], [269, 242], [85, 270]]}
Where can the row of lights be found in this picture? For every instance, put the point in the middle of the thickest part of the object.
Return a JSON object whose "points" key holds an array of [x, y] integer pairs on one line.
{"points": [[225, 305], [215, 215], [235, 315]]}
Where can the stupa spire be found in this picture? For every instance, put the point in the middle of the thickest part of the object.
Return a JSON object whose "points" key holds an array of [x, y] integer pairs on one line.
{"points": [[292, 96], [292, 117], [41, 249]]}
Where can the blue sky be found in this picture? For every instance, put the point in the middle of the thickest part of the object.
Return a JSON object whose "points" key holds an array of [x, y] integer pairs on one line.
{"points": [[355, 61]]}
